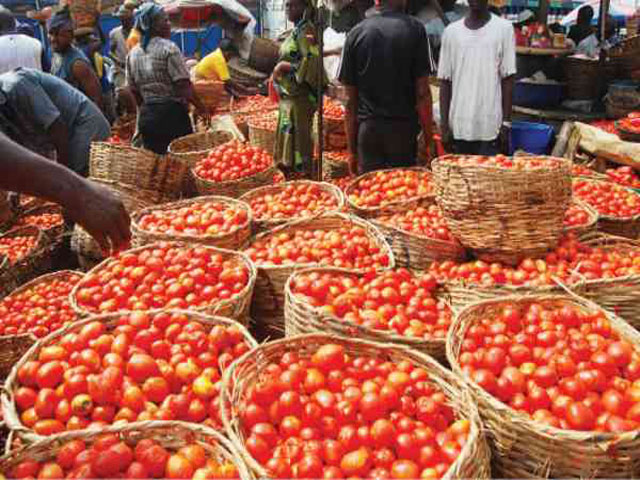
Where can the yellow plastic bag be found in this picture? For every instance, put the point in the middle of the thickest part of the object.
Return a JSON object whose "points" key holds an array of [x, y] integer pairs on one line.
{"points": [[213, 67]]}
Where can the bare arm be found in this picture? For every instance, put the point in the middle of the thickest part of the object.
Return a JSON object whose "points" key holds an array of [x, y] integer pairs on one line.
{"points": [[59, 135], [445, 104], [88, 81], [351, 127], [92, 206], [507, 97], [424, 105]]}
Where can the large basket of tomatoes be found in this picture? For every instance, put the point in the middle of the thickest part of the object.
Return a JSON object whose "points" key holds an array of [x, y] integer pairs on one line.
{"points": [[419, 236], [169, 275], [47, 218], [109, 369], [618, 207], [504, 209], [383, 191], [152, 449], [245, 108], [357, 409], [556, 382], [276, 204], [233, 169], [262, 131], [159, 174], [27, 250], [221, 222], [580, 218], [196, 146], [335, 164], [332, 239], [32, 311], [391, 306]]}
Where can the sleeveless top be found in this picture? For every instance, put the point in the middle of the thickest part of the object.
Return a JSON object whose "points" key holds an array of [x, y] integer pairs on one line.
{"points": [[62, 64]]}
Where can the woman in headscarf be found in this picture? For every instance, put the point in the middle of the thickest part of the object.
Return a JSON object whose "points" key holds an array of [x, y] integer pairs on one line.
{"points": [[296, 81], [158, 77]]}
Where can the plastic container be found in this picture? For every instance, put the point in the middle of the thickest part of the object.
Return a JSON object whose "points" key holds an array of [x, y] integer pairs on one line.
{"points": [[537, 95], [531, 137]]}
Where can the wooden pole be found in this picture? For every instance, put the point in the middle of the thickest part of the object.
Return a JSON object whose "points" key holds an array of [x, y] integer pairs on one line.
{"points": [[543, 12]]}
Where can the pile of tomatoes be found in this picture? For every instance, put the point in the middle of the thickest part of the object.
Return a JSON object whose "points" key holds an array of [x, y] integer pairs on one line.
{"points": [[39, 310], [343, 182], [199, 218], [264, 121], [279, 177], [342, 156], [502, 161], [393, 300], [295, 199], [254, 103], [161, 366], [17, 247], [625, 176], [388, 186], [346, 247], [561, 365], [582, 171], [232, 161], [576, 216], [571, 262], [333, 109], [631, 123], [608, 198], [424, 221], [111, 457], [164, 275], [44, 221], [337, 415]]}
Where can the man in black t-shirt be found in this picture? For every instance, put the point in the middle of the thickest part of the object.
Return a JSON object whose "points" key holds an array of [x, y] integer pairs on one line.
{"points": [[385, 64]]}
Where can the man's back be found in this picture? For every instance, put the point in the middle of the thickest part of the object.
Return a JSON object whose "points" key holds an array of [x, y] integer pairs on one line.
{"points": [[383, 57], [17, 50]]}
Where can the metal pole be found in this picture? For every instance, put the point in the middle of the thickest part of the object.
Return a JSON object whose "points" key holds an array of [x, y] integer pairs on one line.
{"points": [[320, 35]]}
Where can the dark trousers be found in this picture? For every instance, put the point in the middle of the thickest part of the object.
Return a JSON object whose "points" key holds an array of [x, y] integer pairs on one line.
{"points": [[464, 147], [386, 144], [161, 123]]}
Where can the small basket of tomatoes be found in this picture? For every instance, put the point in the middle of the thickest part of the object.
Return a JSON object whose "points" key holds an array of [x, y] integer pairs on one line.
{"points": [[618, 207], [169, 275], [221, 222], [357, 409], [391, 190], [580, 218], [331, 239], [48, 218], [276, 204], [114, 368], [233, 169], [262, 130], [27, 251], [504, 208], [419, 236], [152, 449], [555, 378], [332, 301]]}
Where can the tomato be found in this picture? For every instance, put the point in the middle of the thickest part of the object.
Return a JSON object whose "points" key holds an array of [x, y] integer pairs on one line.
{"points": [[388, 186], [233, 160], [292, 200]]}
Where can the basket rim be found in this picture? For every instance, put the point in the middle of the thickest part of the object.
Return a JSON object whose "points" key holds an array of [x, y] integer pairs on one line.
{"points": [[174, 244], [444, 160], [632, 218], [266, 172], [437, 374], [256, 192], [380, 224], [46, 208], [207, 133], [137, 216], [594, 216], [29, 231], [44, 278], [460, 325], [372, 230]]}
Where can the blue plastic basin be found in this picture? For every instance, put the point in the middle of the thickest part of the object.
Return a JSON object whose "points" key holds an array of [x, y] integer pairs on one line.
{"points": [[531, 137]]}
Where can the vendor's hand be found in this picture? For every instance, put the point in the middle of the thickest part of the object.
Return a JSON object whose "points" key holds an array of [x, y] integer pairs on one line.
{"points": [[101, 214], [447, 138], [504, 138]]}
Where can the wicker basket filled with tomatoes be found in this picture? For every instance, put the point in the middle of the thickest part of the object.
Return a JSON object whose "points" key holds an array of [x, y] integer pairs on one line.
{"points": [[233, 169], [245, 108], [151, 365], [558, 392], [392, 190], [276, 204], [504, 208], [27, 251], [625, 176], [332, 239], [32, 311], [418, 236], [401, 307], [333, 129], [221, 222], [163, 449], [335, 164], [618, 207], [384, 411], [162, 176], [580, 218], [629, 127], [342, 183], [47, 218], [169, 275], [578, 170], [262, 130]]}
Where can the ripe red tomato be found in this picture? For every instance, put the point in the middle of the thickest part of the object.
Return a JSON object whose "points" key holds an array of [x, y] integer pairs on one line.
{"points": [[232, 161], [388, 186]]}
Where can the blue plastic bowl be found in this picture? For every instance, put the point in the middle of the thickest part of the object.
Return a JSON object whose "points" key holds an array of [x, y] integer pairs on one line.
{"points": [[531, 137], [537, 95]]}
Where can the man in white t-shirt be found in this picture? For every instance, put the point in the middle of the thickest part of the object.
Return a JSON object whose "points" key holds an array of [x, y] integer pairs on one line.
{"points": [[477, 70], [17, 50]]}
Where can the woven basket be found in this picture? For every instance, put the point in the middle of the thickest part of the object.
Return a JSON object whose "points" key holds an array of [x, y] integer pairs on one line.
{"points": [[264, 54], [267, 306], [333, 166], [234, 188], [12, 347], [369, 212], [333, 133], [473, 461], [171, 435], [124, 127], [111, 321], [591, 225], [260, 225], [301, 318], [34, 264], [262, 137], [523, 448], [232, 240], [137, 168], [212, 93], [54, 233], [236, 307], [584, 77], [503, 214], [196, 146]]}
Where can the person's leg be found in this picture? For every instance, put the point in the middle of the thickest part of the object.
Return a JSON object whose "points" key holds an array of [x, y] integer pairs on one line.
{"points": [[371, 154], [401, 146], [303, 112], [488, 148]]}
